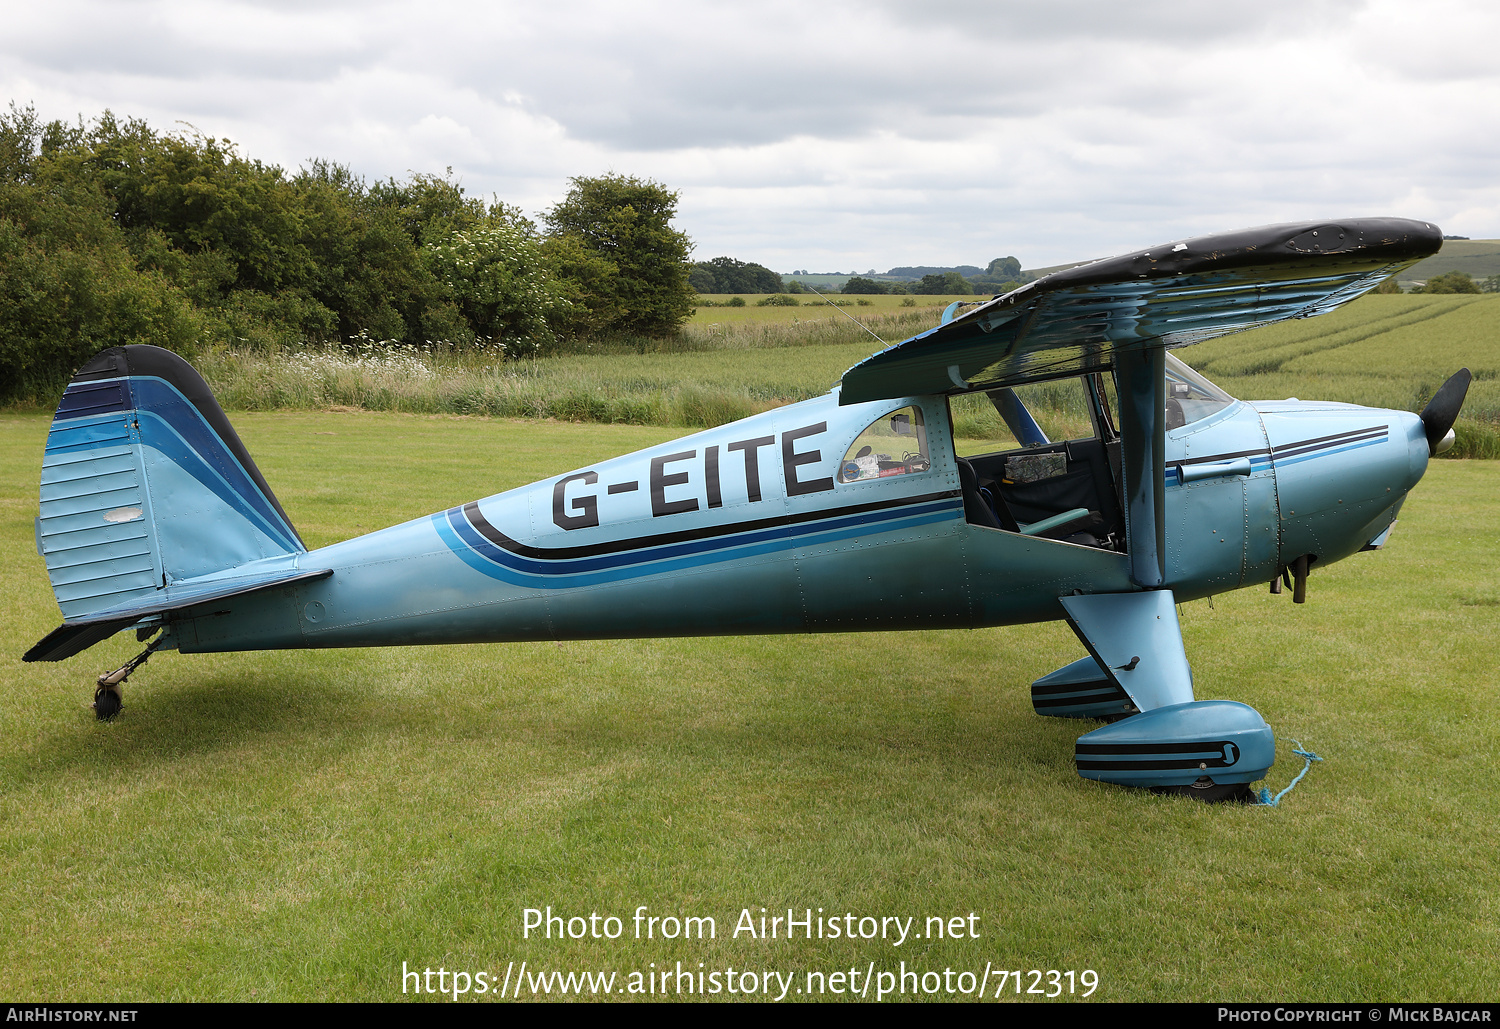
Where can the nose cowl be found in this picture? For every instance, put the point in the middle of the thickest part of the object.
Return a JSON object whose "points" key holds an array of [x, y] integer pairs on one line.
{"points": [[1419, 450]]}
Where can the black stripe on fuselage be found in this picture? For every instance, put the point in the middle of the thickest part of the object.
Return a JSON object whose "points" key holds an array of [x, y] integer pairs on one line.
{"points": [[1222, 457], [1309, 445], [1075, 687], [484, 528], [1292, 449], [1169, 765]]}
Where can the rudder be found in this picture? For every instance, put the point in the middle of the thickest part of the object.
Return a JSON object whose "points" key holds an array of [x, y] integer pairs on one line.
{"points": [[145, 485]]}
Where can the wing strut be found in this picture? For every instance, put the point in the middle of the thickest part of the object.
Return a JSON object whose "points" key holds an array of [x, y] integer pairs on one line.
{"points": [[1140, 377]]}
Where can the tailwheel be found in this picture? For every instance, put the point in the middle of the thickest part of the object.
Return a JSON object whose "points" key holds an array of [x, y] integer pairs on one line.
{"points": [[1210, 792], [107, 702], [107, 699]]}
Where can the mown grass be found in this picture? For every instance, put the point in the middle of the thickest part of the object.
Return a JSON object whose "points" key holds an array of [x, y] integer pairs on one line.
{"points": [[294, 826]]}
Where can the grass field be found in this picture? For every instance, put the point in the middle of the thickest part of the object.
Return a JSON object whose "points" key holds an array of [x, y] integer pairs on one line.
{"points": [[286, 826], [922, 309]]}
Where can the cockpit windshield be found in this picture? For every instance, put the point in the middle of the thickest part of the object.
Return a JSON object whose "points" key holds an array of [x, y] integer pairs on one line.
{"points": [[1190, 396]]}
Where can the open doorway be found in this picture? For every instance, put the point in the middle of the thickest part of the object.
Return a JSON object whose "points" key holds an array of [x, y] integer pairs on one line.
{"points": [[1043, 460]]}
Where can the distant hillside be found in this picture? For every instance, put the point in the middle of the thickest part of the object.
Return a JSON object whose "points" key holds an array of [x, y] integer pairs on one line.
{"points": [[817, 280], [914, 272], [1479, 257]]}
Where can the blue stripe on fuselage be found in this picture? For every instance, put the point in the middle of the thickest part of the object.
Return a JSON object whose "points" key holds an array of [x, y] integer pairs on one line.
{"points": [[1290, 453], [483, 556], [1334, 449]]}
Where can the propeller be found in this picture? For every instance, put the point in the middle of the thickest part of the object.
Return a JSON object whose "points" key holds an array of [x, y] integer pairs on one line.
{"points": [[1442, 411]]}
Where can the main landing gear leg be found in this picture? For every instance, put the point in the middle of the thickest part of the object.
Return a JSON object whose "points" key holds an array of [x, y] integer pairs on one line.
{"points": [[107, 697]]}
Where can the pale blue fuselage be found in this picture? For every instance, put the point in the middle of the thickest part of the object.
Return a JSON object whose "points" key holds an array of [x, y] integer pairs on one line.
{"points": [[746, 528]]}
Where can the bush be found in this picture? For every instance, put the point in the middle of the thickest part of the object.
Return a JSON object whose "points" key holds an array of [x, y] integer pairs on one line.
{"points": [[777, 300], [498, 281], [114, 233], [69, 287]]}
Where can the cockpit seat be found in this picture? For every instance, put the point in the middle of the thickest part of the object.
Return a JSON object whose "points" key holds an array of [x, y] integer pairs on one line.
{"points": [[987, 508], [977, 509]]}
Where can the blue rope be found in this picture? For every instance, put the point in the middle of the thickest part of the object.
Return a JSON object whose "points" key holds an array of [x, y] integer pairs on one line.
{"points": [[1309, 757]]}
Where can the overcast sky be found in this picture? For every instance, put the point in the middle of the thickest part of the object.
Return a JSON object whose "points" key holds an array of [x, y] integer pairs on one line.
{"points": [[832, 135]]}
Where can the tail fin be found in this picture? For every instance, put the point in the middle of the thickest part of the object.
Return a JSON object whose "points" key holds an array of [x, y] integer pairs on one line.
{"points": [[149, 499]]}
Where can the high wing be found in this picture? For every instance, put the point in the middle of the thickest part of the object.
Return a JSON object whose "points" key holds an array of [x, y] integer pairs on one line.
{"points": [[1173, 295]]}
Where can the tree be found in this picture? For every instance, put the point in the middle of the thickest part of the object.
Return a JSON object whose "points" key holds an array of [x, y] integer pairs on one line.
{"points": [[1451, 282], [726, 275], [69, 287], [1004, 269], [430, 208], [861, 284], [1388, 285], [626, 222], [702, 279], [948, 283], [588, 282]]}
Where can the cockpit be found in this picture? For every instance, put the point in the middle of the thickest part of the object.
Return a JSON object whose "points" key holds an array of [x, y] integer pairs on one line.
{"points": [[1044, 459]]}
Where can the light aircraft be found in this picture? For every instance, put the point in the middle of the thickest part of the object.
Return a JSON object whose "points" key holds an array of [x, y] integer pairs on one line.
{"points": [[848, 512]]}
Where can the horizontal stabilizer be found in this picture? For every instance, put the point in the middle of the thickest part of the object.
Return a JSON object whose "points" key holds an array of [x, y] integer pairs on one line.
{"points": [[74, 637], [1073, 321]]}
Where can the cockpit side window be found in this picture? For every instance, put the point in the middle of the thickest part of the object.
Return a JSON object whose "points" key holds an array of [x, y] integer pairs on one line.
{"points": [[893, 444], [1190, 396]]}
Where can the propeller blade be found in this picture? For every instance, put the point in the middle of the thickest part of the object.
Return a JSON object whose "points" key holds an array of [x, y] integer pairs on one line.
{"points": [[1442, 411]]}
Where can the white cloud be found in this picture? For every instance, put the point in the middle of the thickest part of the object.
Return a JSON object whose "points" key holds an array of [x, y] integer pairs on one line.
{"points": [[837, 135]]}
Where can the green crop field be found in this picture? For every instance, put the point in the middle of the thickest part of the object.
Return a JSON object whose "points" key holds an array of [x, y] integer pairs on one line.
{"points": [[295, 826], [807, 307], [1381, 351]]}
